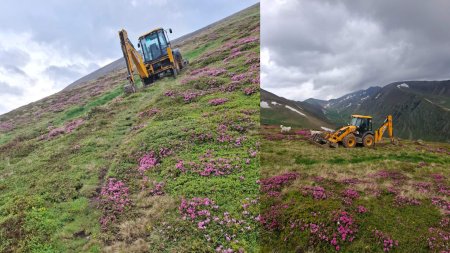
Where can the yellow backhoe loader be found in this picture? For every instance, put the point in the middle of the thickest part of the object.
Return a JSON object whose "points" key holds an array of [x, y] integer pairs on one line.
{"points": [[158, 58], [359, 131]]}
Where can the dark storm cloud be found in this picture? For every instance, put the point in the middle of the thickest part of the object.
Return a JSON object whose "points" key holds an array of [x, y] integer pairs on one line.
{"points": [[6, 89], [326, 48]]}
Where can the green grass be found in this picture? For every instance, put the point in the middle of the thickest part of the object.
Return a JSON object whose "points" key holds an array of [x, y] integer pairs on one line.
{"points": [[328, 168], [49, 187], [78, 111]]}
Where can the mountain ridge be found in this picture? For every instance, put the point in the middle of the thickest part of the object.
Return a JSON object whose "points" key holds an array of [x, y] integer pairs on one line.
{"points": [[420, 109]]}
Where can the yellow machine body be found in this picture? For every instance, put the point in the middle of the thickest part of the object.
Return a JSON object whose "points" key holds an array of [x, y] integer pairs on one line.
{"points": [[155, 59], [359, 131]]}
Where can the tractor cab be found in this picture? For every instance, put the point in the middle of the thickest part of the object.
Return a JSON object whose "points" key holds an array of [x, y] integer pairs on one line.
{"points": [[363, 124], [154, 44]]}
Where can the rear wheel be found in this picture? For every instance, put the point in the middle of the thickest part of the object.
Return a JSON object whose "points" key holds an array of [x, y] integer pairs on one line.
{"points": [[349, 141], [368, 141], [174, 73]]}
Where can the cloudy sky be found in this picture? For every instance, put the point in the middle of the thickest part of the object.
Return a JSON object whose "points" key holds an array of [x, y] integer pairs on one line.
{"points": [[45, 45], [327, 48]]}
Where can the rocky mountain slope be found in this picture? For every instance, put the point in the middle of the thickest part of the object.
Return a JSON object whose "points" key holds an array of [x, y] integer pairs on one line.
{"points": [[277, 110], [171, 168], [420, 109]]}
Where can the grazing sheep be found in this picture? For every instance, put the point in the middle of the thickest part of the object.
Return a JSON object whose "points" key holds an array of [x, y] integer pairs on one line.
{"points": [[285, 129]]}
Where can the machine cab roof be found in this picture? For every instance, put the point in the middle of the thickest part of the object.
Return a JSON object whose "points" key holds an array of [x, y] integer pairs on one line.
{"points": [[361, 116]]}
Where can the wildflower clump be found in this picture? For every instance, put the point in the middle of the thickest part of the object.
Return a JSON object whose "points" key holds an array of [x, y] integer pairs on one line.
{"points": [[113, 200], [439, 237], [68, 128], [317, 192], [147, 161], [189, 97], [249, 91], [273, 185], [149, 113], [209, 165], [197, 210], [385, 240], [217, 101]]}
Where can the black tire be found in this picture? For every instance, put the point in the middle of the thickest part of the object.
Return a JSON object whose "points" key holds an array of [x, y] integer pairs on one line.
{"points": [[368, 141], [148, 81], [174, 72], [349, 141]]}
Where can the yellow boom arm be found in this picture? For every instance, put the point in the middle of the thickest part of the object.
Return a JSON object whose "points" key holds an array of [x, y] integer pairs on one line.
{"points": [[131, 55], [386, 125]]}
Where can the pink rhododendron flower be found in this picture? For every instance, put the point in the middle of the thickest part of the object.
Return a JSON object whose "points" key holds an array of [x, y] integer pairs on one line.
{"points": [[148, 161], [217, 101]]}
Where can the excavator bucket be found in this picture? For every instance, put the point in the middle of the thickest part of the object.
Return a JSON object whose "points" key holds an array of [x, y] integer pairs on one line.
{"points": [[320, 139]]}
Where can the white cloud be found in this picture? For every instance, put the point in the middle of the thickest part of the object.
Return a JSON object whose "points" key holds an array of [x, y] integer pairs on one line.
{"points": [[34, 81]]}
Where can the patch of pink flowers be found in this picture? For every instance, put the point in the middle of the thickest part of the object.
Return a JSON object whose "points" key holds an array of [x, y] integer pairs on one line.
{"points": [[165, 152], [188, 97], [113, 200], [439, 237], [147, 162], [347, 227], [239, 77], [273, 185], [217, 101], [6, 126], [385, 240], [441, 203], [247, 40], [249, 91], [149, 113], [349, 195], [403, 200], [304, 133], [207, 71], [158, 189], [361, 209], [197, 210], [317, 192], [169, 93], [68, 128]]}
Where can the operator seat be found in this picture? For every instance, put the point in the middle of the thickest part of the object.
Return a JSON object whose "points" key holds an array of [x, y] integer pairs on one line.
{"points": [[155, 51]]}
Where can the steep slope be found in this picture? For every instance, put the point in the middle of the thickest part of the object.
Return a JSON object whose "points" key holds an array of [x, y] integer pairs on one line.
{"points": [[276, 110], [172, 168], [120, 63], [421, 109]]}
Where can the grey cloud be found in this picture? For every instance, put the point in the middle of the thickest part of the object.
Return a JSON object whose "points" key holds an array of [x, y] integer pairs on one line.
{"points": [[89, 28], [63, 75], [5, 88], [13, 57], [14, 70], [342, 46]]}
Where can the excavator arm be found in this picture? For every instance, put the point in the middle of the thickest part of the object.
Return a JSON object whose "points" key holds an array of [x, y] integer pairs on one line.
{"points": [[386, 125], [132, 56]]}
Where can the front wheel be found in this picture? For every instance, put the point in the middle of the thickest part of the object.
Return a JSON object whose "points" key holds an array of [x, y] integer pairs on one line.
{"points": [[349, 141], [368, 141]]}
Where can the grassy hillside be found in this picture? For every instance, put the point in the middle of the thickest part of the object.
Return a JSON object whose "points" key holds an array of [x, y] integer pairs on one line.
{"points": [[172, 168], [389, 198]]}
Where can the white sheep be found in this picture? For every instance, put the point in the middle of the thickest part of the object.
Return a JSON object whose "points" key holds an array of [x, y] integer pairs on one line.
{"points": [[285, 129]]}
